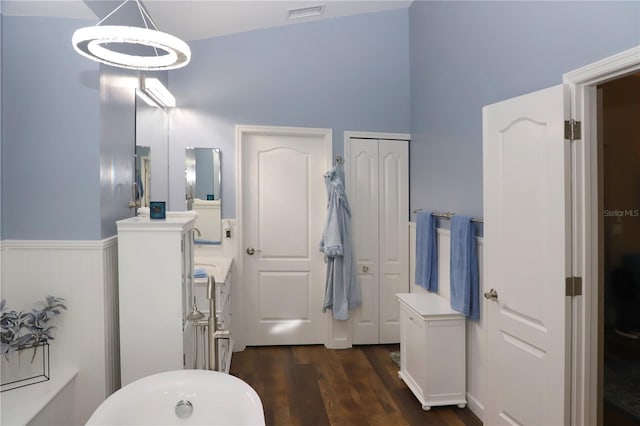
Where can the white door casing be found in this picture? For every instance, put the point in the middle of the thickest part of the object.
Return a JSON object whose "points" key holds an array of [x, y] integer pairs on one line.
{"points": [[377, 186], [586, 327], [527, 210], [282, 213]]}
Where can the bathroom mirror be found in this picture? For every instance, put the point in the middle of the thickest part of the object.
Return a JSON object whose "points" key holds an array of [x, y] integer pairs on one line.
{"points": [[152, 143], [143, 175], [202, 179]]}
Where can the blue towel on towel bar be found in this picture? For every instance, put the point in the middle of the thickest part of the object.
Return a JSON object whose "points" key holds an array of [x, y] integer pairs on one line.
{"points": [[426, 252], [200, 273], [464, 279]]}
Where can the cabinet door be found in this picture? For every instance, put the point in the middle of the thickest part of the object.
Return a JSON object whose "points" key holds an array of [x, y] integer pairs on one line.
{"points": [[224, 355], [188, 335], [186, 247], [413, 351]]}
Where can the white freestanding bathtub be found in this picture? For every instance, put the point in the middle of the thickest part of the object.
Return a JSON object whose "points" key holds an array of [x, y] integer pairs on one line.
{"points": [[182, 397]]}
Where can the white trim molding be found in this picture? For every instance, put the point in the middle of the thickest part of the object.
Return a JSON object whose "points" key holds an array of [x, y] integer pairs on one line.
{"points": [[59, 244], [606, 69], [586, 404], [376, 135]]}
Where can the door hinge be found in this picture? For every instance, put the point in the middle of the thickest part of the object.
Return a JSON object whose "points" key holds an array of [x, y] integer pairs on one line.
{"points": [[574, 286], [572, 130]]}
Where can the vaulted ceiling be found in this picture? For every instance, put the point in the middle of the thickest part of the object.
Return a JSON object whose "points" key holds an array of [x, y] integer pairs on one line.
{"points": [[193, 20]]}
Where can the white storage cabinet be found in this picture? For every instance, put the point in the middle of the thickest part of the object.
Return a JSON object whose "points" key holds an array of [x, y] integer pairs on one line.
{"points": [[432, 350], [155, 271]]}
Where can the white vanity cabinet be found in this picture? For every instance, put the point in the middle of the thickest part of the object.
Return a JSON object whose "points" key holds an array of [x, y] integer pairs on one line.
{"points": [[223, 314], [432, 349], [155, 264]]}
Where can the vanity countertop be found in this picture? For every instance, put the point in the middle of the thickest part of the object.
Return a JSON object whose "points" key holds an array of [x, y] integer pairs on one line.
{"points": [[216, 266], [145, 223]]}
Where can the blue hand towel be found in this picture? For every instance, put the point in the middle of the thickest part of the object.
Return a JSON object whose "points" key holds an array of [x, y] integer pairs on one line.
{"points": [[426, 252], [464, 268], [200, 273]]}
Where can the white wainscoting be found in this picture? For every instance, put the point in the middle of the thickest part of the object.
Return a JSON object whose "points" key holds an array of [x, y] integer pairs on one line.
{"points": [[476, 330], [85, 273]]}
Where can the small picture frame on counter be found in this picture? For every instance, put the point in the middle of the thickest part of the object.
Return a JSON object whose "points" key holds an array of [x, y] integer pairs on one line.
{"points": [[157, 210]]}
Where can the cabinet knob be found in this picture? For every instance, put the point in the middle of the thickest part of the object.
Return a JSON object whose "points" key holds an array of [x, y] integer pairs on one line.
{"points": [[365, 269]]}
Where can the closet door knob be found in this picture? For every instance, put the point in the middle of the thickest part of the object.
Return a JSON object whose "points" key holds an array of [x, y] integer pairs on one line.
{"points": [[251, 251], [491, 295]]}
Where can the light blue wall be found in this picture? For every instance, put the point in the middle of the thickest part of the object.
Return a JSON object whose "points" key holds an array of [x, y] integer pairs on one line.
{"points": [[1, 130], [347, 73], [465, 55], [68, 137], [117, 146], [50, 138], [66, 157]]}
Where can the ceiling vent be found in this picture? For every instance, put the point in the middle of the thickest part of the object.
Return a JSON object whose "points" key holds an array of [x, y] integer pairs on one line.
{"points": [[305, 12]]}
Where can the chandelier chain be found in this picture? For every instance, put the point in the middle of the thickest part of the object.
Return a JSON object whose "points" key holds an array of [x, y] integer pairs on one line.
{"points": [[141, 9], [145, 13], [144, 20], [111, 13]]}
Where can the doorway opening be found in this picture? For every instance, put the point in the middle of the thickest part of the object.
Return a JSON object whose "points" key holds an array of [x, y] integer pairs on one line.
{"points": [[619, 143]]}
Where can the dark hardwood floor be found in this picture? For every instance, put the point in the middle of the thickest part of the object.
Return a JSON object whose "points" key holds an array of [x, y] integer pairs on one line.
{"points": [[315, 386], [618, 349]]}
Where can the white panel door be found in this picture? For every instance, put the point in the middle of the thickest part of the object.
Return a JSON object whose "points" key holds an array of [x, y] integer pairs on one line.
{"points": [[363, 201], [393, 258], [283, 211], [527, 251], [378, 196]]}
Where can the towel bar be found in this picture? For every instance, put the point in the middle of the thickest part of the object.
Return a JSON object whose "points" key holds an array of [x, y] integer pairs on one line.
{"points": [[448, 215]]}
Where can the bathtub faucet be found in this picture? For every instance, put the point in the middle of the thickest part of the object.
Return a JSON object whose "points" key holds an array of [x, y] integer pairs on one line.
{"points": [[214, 333]]}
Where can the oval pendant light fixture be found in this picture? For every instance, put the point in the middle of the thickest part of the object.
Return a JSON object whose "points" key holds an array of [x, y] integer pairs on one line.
{"points": [[93, 43]]}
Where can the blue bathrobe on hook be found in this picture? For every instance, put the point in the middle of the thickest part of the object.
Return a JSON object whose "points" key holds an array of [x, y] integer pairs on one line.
{"points": [[342, 291]]}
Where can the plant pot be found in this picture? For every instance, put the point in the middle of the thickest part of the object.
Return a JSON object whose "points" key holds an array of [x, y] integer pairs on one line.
{"points": [[26, 366]]}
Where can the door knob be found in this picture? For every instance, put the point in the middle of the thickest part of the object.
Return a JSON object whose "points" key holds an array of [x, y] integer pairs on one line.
{"points": [[491, 294], [251, 251]]}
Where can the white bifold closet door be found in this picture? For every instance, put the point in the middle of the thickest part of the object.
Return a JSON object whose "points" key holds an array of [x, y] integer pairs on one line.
{"points": [[378, 190]]}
